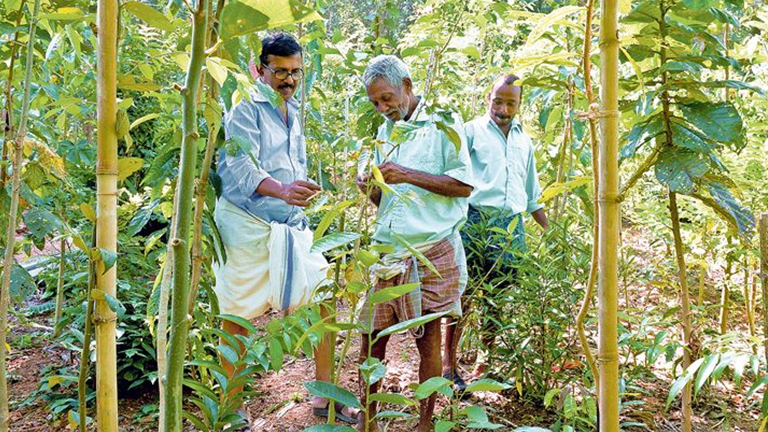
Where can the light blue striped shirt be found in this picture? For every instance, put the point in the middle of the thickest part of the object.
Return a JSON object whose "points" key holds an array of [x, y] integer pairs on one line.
{"points": [[503, 167], [280, 152]]}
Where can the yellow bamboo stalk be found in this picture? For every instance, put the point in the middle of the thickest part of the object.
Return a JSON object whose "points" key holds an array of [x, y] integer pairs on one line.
{"points": [[106, 215], [608, 237], [764, 276], [60, 286], [8, 261], [685, 302], [590, 288], [725, 293]]}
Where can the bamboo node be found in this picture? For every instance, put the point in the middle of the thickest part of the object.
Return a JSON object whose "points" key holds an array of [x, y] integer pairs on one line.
{"points": [[101, 320], [610, 198], [175, 242], [594, 113]]}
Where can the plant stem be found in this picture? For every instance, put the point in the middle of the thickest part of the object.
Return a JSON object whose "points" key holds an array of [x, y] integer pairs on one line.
{"points": [[85, 355], [725, 294], [8, 261], [590, 288], [610, 221], [685, 302], [8, 128], [183, 214], [104, 318], [60, 286], [763, 228]]}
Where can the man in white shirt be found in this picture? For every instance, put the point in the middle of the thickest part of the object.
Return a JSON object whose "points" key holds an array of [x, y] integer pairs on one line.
{"points": [[506, 185]]}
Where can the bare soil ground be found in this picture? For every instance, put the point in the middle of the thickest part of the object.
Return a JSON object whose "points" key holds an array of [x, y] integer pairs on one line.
{"points": [[283, 406]]}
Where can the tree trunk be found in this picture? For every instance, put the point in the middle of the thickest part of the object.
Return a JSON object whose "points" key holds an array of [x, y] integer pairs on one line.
{"points": [[106, 216], [8, 261], [610, 221], [764, 277], [182, 216], [685, 302]]}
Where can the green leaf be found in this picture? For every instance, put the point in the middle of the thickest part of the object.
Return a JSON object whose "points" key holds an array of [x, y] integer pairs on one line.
{"points": [[115, 305], [392, 398], [149, 15], [640, 134], [682, 66], [451, 133], [276, 354], [432, 385], [64, 14], [41, 222], [476, 414], [486, 384], [241, 17], [719, 121], [546, 23], [705, 371], [415, 252], [108, 258], [549, 396], [128, 166], [333, 392], [409, 324], [22, 283], [332, 241], [392, 415], [329, 428], [444, 426], [531, 429], [680, 169], [740, 216], [216, 70], [691, 139], [684, 379], [372, 370], [392, 293], [242, 322]]}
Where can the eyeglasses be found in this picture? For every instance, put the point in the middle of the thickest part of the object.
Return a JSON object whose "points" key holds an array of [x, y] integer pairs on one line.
{"points": [[282, 74]]}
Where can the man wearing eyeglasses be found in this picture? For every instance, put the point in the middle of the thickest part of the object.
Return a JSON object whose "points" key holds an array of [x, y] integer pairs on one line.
{"points": [[259, 215]]}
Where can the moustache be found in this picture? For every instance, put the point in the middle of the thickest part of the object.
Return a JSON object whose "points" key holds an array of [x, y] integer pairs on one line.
{"points": [[282, 86]]}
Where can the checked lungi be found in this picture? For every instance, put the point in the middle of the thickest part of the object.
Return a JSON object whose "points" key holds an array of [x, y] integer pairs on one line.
{"points": [[436, 292]]}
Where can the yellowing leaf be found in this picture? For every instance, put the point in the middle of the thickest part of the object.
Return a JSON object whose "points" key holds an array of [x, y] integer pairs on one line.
{"points": [[88, 212], [217, 71], [149, 15], [128, 166], [141, 120], [181, 59], [48, 158], [377, 174], [546, 22], [64, 14], [122, 123]]}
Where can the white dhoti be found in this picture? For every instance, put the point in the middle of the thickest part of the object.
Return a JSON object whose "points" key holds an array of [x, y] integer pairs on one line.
{"points": [[268, 265]]}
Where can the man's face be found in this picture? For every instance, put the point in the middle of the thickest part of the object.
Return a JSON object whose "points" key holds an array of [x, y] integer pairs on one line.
{"points": [[503, 103], [277, 64], [389, 101]]}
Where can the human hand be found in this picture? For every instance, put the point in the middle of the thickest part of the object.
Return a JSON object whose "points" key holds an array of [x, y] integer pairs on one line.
{"points": [[299, 193], [362, 182], [394, 173]]}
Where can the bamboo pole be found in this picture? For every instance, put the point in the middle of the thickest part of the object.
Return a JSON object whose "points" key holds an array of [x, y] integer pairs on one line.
{"points": [[685, 302], [60, 286], [202, 183], [183, 215], [764, 276], [590, 289], [608, 238], [104, 318], [8, 117], [8, 261]]}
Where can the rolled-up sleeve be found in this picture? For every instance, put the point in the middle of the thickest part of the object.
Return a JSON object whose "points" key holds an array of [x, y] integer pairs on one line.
{"points": [[532, 188], [457, 164], [241, 169]]}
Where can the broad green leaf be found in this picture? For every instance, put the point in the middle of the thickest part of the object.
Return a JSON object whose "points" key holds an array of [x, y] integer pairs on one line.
{"points": [[531, 429], [128, 166], [684, 379], [739, 215], [680, 169], [719, 121], [419, 256], [432, 385], [486, 384], [409, 324], [691, 139], [107, 257], [392, 293], [41, 222], [451, 133], [216, 70], [556, 189], [331, 391], [332, 241], [476, 414], [241, 17], [444, 426], [115, 305], [149, 15], [372, 370], [276, 354], [242, 322], [640, 134], [329, 217], [272, 96], [392, 398], [392, 415], [705, 371], [549, 396]]}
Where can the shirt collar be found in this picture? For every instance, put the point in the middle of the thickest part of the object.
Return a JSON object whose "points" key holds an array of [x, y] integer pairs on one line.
{"points": [[515, 125]]}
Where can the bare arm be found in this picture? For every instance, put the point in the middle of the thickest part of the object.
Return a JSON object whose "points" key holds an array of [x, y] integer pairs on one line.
{"points": [[297, 193], [440, 184], [541, 218]]}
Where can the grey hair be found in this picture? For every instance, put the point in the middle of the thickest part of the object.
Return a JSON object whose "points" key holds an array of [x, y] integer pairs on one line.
{"points": [[387, 67]]}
